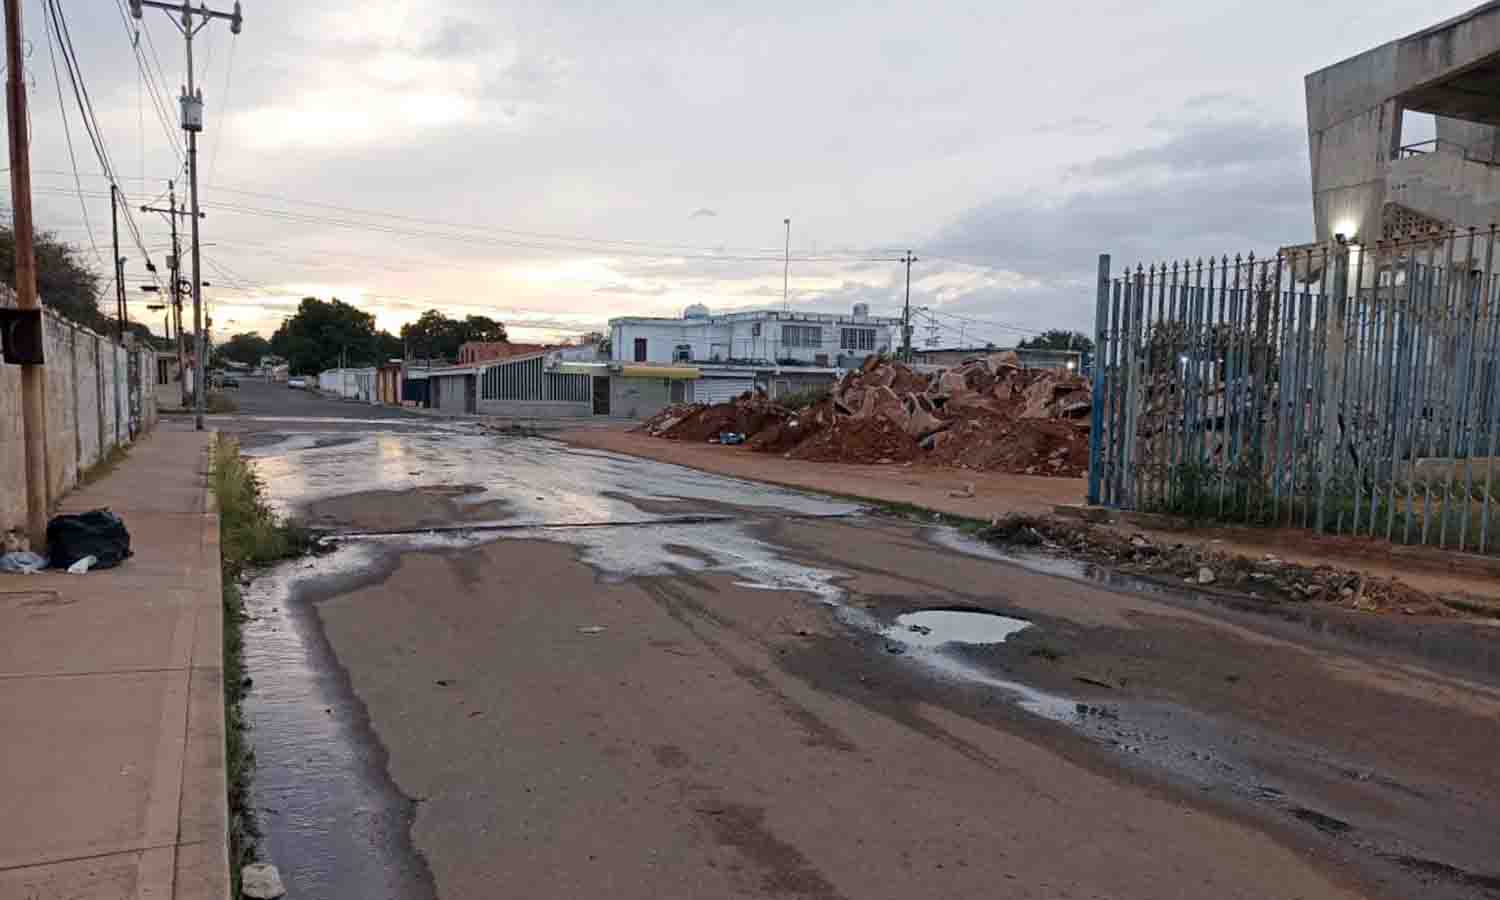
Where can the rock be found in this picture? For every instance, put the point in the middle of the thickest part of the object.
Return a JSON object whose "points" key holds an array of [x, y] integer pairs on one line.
{"points": [[1139, 542], [1206, 575], [261, 881], [966, 491]]}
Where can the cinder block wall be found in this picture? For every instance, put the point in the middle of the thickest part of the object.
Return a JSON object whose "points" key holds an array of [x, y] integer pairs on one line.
{"points": [[88, 404]]}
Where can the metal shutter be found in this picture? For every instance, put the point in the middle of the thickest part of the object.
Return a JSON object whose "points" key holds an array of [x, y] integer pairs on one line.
{"points": [[721, 390]]}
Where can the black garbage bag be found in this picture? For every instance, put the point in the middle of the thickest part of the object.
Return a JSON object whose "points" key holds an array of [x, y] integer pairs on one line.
{"points": [[98, 533]]}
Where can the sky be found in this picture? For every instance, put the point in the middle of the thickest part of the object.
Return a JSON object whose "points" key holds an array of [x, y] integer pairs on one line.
{"points": [[555, 164]]}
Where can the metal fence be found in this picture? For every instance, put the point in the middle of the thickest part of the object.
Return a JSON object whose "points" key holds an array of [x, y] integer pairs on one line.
{"points": [[1346, 388]]}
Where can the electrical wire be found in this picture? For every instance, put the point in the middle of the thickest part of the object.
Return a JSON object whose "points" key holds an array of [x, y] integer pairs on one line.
{"points": [[60, 29], [62, 112], [153, 87], [213, 152]]}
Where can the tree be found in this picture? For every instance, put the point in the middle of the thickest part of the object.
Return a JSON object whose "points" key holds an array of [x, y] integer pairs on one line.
{"points": [[1059, 339], [434, 335], [483, 328], [65, 284], [247, 347], [323, 332]]}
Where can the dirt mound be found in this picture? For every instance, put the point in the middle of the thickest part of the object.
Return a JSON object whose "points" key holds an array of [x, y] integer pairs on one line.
{"points": [[859, 441], [990, 414]]}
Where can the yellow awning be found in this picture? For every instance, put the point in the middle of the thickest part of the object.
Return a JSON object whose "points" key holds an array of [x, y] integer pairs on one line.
{"points": [[685, 373]]}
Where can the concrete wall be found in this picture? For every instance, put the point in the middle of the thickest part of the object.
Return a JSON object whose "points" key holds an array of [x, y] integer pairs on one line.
{"points": [[1447, 186], [637, 398], [86, 376], [536, 409]]}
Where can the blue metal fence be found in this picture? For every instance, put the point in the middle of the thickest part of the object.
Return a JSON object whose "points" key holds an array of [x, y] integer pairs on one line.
{"points": [[1347, 388]]}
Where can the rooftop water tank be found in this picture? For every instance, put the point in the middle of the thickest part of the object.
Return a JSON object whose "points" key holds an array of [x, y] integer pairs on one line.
{"points": [[861, 311]]}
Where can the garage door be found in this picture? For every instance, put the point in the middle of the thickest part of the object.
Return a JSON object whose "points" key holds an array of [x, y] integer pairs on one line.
{"points": [[721, 390]]}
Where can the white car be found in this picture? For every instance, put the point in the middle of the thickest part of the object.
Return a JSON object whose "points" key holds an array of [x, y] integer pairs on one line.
{"points": [[297, 384]]}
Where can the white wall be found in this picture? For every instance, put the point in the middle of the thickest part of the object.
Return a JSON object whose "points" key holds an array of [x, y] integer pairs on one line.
{"points": [[85, 374]]}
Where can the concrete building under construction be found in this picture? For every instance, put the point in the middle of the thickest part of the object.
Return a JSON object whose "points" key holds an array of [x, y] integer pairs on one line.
{"points": [[1368, 183]]}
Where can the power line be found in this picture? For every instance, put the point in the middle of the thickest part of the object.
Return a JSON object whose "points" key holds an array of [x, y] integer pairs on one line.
{"points": [[60, 29], [153, 87], [62, 112], [213, 153]]}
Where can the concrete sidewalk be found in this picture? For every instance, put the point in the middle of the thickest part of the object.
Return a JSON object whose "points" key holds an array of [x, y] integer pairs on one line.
{"points": [[111, 699]]}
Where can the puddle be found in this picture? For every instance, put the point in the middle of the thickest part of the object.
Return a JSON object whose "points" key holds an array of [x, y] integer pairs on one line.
{"points": [[937, 627]]}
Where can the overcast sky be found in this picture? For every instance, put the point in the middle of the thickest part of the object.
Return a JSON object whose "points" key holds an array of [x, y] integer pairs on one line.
{"points": [[554, 164]]}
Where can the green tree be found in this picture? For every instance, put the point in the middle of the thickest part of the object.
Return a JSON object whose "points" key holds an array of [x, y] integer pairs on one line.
{"points": [[246, 347], [1059, 339], [324, 332], [65, 284], [435, 335]]}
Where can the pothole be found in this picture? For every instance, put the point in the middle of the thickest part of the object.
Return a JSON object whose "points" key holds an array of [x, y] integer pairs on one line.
{"points": [[936, 627]]}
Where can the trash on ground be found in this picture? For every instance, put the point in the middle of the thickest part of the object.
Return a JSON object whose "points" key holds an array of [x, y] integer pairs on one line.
{"points": [[1205, 565], [98, 533], [989, 414], [591, 629], [22, 562], [82, 566], [261, 881]]}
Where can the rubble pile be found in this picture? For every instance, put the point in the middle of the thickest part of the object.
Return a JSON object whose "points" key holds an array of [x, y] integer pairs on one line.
{"points": [[989, 414], [1267, 576]]}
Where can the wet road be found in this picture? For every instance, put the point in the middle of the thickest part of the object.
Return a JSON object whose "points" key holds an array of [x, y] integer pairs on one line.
{"points": [[538, 671]]}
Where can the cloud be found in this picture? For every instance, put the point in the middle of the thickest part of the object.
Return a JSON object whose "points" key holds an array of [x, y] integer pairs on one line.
{"points": [[702, 212], [1217, 186], [1075, 126]]}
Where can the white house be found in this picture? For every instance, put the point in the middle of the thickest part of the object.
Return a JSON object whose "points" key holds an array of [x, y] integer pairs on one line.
{"points": [[757, 337]]}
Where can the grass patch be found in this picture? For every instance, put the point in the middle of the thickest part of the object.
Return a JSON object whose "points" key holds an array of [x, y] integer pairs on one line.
{"points": [[106, 464], [250, 534]]}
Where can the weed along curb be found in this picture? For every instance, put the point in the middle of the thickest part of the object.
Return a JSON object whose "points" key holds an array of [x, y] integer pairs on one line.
{"points": [[250, 535]]}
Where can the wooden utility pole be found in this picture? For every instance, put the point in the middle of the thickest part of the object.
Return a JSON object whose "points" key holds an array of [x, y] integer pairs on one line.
{"points": [[33, 380]]}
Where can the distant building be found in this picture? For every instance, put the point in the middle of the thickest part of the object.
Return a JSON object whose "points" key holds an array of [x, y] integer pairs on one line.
{"points": [[755, 337], [471, 352]]}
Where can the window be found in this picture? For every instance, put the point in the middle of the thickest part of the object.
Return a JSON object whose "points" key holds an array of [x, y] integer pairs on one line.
{"points": [[755, 330], [682, 353], [801, 335], [640, 349], [857, 339]]}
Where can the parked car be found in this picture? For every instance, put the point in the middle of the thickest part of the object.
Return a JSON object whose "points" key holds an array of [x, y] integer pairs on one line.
{"points": [[297, 384], [229, 381]]}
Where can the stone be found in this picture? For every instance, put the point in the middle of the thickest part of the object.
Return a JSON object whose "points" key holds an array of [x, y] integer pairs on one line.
{"points": [[1206, 575], [261, 881]]}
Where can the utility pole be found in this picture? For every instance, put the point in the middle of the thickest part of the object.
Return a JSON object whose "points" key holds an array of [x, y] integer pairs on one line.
{"points": [[786, 270], [29, 308], [174, 266], [906, 311], [192, 123], [114, 230]]}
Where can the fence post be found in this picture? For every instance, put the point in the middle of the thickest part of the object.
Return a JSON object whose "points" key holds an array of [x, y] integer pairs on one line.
{"points": [[1331, 448], [1096, 429]]}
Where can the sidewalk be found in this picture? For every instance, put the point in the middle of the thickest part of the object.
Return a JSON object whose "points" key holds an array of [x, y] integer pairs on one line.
{"points": [[111, 699], [997, 494]]}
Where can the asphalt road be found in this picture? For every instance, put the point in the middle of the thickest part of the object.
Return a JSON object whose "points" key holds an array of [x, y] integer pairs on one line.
{"points": [[529, 670]]}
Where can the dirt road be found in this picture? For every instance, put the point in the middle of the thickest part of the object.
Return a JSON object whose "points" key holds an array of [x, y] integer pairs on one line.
{"points": [[540, 671]]}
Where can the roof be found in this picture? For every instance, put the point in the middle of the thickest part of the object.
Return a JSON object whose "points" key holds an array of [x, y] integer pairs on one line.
{"points": [[750, 315]]}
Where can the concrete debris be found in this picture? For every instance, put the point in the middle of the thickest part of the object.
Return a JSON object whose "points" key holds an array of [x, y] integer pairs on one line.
{"points": [[987, 415], [1268, 577], [261, 881]]}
